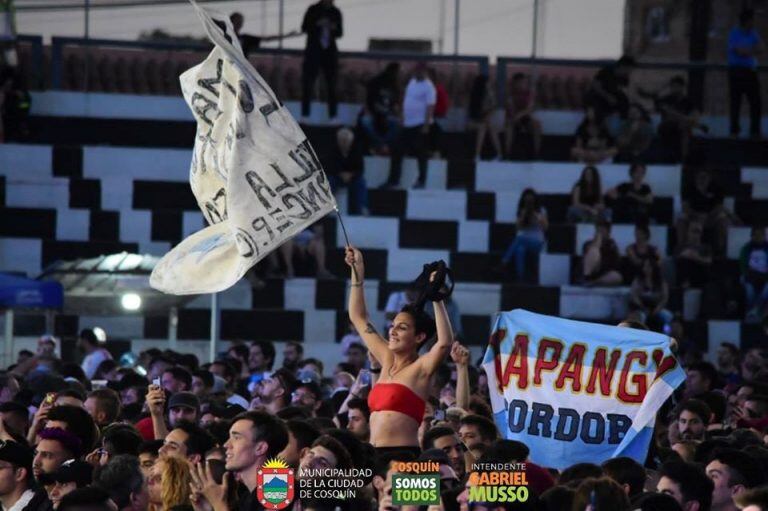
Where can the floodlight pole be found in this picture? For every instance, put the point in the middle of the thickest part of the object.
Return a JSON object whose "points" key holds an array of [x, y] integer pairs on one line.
{"points": [[281, 18], [214, 325], [173, 328], [456, 22]]}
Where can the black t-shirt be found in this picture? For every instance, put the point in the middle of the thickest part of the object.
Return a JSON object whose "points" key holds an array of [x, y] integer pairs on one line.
{"points": [[249, 43], [704, 202], [248, 501], [322, 24], [679, 104], [596, 138], [381, 96], [608, 80], [336, 163], [625, 188]]}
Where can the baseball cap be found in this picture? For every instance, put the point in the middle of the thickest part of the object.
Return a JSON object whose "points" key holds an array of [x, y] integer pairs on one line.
{"points": [[16, 453], [184, 400], [226, 411], [71, 471]]}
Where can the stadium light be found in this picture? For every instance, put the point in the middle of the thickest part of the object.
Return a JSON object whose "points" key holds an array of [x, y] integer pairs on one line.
{"points": [[131, 302]]}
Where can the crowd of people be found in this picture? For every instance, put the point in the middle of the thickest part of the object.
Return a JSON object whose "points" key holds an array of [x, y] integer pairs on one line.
{"points": [[170, 433]]}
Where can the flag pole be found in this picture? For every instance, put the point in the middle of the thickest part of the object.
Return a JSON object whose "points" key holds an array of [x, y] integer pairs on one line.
{"points": [[214, 326]]}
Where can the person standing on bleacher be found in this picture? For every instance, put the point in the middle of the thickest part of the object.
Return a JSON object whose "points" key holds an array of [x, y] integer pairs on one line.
{"points": [[743, 44], [323, 25], [418, 116]]}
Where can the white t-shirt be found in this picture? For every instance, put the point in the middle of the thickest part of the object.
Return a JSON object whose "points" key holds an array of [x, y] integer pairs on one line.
{"points": [[419, 95], [91, 362]]}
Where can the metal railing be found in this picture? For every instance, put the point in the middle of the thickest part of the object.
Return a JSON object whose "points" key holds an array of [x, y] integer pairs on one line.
{"points": [[58, 44], [712, 75]]}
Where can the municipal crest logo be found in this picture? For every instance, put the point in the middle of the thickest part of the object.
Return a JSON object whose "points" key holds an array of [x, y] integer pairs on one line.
{"points": [[274, 484]]}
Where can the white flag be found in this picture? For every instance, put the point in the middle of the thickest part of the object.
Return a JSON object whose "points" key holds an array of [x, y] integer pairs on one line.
{"points": [[254, 174]]}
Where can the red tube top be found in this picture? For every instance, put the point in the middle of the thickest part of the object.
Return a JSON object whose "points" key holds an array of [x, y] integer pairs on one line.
{"points": [[396, 397]]}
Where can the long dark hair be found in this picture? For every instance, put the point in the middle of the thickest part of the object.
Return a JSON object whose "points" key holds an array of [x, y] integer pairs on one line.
{"points": [[594, 190], [521, 202]]}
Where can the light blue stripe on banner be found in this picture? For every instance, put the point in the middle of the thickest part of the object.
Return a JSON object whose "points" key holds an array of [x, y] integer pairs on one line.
{"points": [[559, 454]]}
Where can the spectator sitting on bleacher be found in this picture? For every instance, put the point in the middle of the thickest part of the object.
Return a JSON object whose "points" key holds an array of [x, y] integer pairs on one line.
{"points": [[344, 167], [635, 134], [15, 102], [631, 201], [601, 258], [693, 258], [606, 93], [520, 124], [703, 203], [754, 273], [395, 303], [379, 116], [418, 116], [587, 198], [640, 251], [593, 143], [679, 118], [482, 106], [308, 244], [532, 224], [649, 296]]}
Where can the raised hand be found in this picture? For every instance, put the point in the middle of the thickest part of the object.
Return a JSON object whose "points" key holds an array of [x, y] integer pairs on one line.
{"points": [[354, 259], [459, 354]]}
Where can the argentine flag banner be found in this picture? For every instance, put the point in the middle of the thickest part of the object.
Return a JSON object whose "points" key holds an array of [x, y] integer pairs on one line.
{"points": [[574, 391]]}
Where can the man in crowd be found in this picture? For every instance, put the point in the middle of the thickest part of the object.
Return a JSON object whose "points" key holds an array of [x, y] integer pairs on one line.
{"points": [[358, 415], [477, 433], [418, 116], [700, 378], [56, 446], [95, 353], [687, 484], [744, 44], [446, 439], [254, 437], [323, 25], [104, 406], [16, 484], [292, 353], [692, 419], [123, 479], [733, 472], [274, 392], [187, 441]]}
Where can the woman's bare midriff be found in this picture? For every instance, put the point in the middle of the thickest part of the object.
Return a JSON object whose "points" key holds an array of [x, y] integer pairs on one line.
{"points": [[393, 429]]}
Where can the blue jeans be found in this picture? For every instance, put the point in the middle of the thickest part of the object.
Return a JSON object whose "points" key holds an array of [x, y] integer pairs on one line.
{"points": [[755, 299], [358, 192], [520, 247], [378, 138]]}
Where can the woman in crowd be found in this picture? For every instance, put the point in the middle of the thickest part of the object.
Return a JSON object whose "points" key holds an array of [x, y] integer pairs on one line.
{"points": [[631, 201], [532, 224], [482, 105], [587, 198], [593, 143], [640, 251], [169, 483], [397, 401], [649, 295]]}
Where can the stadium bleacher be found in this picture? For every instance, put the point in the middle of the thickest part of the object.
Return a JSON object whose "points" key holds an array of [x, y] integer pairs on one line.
{"points": [[107, 171]]}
